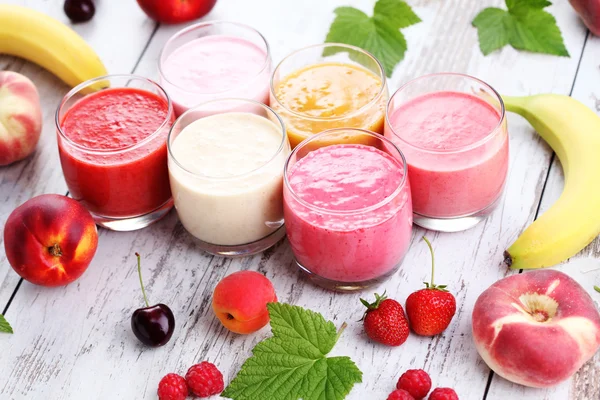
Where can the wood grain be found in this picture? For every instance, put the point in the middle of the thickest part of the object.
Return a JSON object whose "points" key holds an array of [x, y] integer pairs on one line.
{"points": [[77, 339]]}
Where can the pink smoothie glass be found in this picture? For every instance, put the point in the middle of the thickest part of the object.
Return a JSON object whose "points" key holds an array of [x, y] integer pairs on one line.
{"points": [[452, 130], [215, 60], [347, 208]]}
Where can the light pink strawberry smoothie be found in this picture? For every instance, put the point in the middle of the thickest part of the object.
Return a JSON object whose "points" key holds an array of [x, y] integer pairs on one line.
{"points": [[356, 222], [216, 67], [456, 150]]}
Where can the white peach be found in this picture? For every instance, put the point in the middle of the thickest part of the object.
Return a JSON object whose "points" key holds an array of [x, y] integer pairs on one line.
{"points": [[20, 117], [536, 328]]}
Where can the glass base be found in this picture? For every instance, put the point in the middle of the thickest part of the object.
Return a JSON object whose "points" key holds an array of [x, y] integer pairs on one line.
{"points": [[133, 223], [454, 224], [242, 250], [340, 286]]}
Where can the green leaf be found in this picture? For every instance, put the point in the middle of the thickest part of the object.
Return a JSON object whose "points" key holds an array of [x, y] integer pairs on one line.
{"points": [[379, 34], [535, 4], [525, 26], [597, 289], [536, 31], [491, 29], [4, 325], [292, 364], [395, 13]]}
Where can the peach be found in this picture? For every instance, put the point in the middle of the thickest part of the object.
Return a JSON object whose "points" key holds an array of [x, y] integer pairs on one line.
{"points": [[537, 328], [50, 240], [20, 117], [240, 301]]}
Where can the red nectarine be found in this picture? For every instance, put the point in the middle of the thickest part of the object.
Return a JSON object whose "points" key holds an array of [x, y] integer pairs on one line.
{"points": [[240, 301], [50, 240], [537, 328]]}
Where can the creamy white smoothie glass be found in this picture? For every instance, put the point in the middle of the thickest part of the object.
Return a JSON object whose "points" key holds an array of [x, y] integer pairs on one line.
{"points": [[215, 60], [226, 160]]}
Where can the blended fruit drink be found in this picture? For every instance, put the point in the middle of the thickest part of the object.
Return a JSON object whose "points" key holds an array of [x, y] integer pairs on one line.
{"points": [[112, 147], [227, 176], [348, 211], [214, 60], [326, 94], [456, 147]]}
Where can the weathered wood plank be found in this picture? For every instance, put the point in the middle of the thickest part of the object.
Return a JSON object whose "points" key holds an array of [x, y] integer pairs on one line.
{"points": [[82, 340], [586, 383], [118, 34]]}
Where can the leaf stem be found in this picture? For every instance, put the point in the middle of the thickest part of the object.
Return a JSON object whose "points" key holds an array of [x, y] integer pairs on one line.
{"points": [[139, 267], [432, 259], [340, 331]]}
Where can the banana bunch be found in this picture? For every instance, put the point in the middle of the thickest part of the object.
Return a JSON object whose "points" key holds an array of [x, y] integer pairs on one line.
{"points": [[34, 36], [573, 221]]}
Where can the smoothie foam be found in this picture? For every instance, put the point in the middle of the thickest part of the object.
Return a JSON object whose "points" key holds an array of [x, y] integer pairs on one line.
{"points": [[230, 192], [106, 176], [453, 170], [327, 95], [362, 226], [213, 67]]}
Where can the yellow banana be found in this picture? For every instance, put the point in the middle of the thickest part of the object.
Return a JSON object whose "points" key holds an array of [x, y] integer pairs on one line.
{"points": [[573, 221], [29, 34]]}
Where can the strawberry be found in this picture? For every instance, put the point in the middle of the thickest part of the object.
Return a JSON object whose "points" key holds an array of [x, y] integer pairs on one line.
{"points": [[430, 310], [385, 322]]}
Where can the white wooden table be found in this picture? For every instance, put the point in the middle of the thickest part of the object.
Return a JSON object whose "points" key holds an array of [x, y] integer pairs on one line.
{"points": [[75, 342]]}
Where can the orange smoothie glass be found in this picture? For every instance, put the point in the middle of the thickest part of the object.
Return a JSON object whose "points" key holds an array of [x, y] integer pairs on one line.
{"points": [[329, 86]]}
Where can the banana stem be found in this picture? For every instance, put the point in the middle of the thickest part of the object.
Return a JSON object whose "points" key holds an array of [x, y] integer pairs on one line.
{"points": [[514, 104]]}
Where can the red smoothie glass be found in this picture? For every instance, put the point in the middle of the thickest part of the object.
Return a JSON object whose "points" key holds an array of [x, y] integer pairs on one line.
{"points": [[452, 130], [112, 134], [347, 208]]}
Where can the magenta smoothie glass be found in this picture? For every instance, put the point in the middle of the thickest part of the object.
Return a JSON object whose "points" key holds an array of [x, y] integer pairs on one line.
{"points": [[215, 60], [347, 208], [452, 130]]}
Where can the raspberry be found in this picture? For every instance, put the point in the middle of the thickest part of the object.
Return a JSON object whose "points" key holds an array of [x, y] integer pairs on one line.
{"points": [[443, 394], [416, 382], [172, 387], [400, 394], [204, 379]]}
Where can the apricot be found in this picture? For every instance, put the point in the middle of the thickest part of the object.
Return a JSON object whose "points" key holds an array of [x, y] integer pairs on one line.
{"points": [[240, 301]]}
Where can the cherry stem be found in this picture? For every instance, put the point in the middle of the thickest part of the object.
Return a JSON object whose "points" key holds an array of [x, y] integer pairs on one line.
{"points": [[597, 289], [139, 267], [340, 331], [432, 259]]}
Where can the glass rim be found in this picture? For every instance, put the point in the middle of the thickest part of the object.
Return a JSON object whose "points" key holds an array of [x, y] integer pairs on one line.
{"points": [[453, 150], [234, 177], [372, 207], [181, 32], [351, 114], [90, 82]]}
